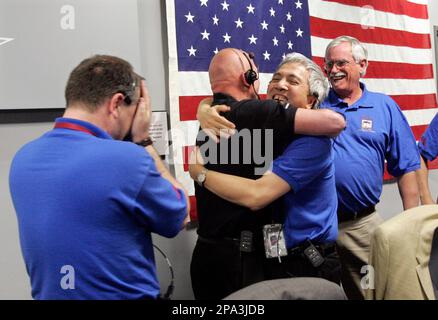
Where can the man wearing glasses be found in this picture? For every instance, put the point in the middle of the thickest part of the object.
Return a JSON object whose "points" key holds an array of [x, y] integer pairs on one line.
{"points": [[376, 131]]}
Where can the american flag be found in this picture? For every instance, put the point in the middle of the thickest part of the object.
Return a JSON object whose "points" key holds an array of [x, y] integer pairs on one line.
{"points": [[396, 33]]}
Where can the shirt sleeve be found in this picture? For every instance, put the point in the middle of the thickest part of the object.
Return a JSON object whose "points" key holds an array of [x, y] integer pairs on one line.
{"points": [[428, 144], [303, 161], [160, 205], [402, 153]]}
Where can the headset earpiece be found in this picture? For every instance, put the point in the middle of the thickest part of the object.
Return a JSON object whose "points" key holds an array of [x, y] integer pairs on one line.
{"points": [[127, 100], [250, 77]]}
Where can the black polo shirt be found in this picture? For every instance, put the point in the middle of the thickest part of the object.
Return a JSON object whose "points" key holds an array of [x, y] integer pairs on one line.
{"points": [[219, 218]]}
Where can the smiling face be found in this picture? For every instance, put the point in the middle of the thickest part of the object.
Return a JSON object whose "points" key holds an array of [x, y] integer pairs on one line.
{"points": [[291, 84], [343, 71]]}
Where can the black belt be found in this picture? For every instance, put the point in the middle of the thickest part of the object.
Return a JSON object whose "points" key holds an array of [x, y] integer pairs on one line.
{"points": [[325, 249], [344, 216]]}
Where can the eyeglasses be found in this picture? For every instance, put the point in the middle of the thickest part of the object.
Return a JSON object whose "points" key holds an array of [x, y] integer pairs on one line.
{"points": [[339, 63]]}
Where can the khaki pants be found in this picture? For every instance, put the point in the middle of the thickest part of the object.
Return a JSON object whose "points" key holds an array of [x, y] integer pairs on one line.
{"points": [[353, 246]]}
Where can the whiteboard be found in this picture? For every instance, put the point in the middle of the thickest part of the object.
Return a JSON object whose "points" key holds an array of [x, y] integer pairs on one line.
{"points": [[41, 41]]}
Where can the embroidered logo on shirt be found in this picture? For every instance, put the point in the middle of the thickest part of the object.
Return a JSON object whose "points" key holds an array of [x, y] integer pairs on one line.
{"points": [[367, 124]]}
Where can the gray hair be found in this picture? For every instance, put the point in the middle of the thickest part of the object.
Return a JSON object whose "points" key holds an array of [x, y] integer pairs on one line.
{"points": [[358, 50], [318, 83]]}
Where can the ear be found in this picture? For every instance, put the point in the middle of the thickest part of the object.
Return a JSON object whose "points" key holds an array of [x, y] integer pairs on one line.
{"points": [[363, 66], [311, 100], [114, 103], [245, 83]]}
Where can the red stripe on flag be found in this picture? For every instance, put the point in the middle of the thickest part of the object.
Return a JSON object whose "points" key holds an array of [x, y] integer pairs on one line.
{"points": [[330, 29], [410, 9], [393, 70], [418, 131], [416, 101], [188, 105], [187, 150], [193, 209]]}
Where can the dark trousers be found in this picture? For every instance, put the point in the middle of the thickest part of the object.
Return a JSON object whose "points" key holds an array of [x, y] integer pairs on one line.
{"points": [[299, 266], [218, 270]]}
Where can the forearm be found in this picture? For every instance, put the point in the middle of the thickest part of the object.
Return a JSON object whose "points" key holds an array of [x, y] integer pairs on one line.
{"points": [[321, 122], [408, 188], [235, 189], [162, 169], [253, 194], [423, 183]]}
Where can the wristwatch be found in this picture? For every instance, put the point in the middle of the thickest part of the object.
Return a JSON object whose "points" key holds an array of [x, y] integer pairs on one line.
{"points": [[200, 178], [144, 143]]}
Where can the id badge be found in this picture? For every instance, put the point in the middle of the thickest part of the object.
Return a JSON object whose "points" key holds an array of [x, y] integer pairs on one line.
{"points": [[275, 244]]}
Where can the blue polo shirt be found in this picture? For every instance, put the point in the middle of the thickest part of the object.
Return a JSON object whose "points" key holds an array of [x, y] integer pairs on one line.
{"points": [[307, 166], [86, 206], [376, 130], [428, 143]]}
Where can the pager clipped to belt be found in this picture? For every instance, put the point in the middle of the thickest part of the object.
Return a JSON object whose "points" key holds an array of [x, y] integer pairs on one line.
{"points": [[246, 243], [313, 255], [275, 245]]}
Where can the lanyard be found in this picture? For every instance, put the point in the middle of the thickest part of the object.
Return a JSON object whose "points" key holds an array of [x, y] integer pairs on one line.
{"points": [[73, 126]]}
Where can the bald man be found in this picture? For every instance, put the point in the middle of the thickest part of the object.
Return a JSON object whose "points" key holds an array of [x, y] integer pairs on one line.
{"points": [[229, 253]]}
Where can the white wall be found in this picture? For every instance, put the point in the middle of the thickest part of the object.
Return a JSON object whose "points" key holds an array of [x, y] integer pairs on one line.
{"points": [[14, 283]]}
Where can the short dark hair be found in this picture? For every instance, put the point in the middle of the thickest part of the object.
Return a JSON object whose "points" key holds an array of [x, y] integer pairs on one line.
{"points": [[98, 78]]}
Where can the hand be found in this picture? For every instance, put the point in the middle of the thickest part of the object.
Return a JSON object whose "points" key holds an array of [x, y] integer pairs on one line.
{"points": [[142, 117], [212, 122], [196, 163]]}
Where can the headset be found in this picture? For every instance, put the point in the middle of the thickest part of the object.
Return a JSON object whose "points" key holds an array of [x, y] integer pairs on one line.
{"points": [[250, 76]]}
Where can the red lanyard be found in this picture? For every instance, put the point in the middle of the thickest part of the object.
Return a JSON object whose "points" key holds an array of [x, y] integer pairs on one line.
{"points": [[73, 126]]}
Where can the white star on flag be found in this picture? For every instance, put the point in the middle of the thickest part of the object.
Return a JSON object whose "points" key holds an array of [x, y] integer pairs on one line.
{"points": [[275, 40], [280, 1], [216, 51], [215, 20], [289, 45], [203, 2], [250, 9], [225, 5], [189, 17], [205, 35], [239, 23], [266, 55], [298, 4], [289, 16], [252, 39], [264, 25], [272, 11], [282, 28], [226, 37], [192, 51], [299, 32]]}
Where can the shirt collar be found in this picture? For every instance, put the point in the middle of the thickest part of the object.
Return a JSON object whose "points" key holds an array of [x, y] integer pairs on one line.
{"points": [[98, 132], [363, 102]]}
